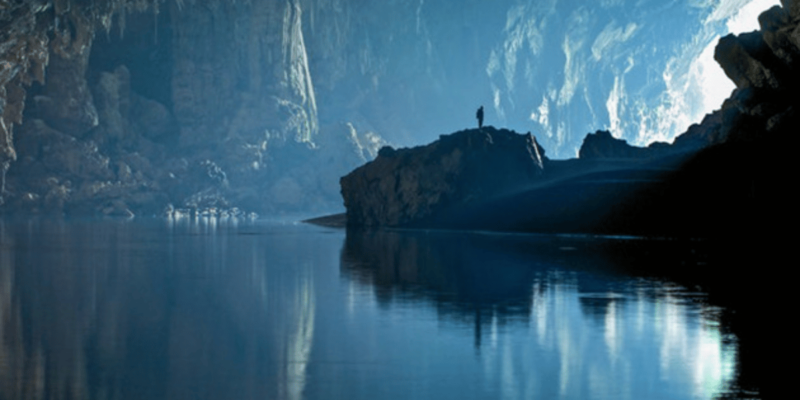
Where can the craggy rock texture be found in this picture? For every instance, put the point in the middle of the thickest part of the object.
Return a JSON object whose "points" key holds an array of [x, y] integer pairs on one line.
{"points": [[405, 185], [41, 32], [602, 144], [146, 107], [763, 65], [258, 88], [219, 105]]}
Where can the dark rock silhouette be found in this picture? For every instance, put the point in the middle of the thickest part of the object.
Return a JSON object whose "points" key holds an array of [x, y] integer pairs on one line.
{"points": [[406, 185], [602, 144], [719, 178]]}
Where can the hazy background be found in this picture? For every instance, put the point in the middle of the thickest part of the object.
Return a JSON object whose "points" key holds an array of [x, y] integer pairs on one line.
{"points": [[642, 69]]}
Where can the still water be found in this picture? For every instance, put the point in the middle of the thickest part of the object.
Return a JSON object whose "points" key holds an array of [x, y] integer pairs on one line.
{"points": [[207, 309]]}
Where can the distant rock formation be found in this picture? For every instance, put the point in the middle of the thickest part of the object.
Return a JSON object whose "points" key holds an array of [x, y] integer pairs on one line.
{"points": [[406, 185], [159, 112], [602, 144], [151, 108]]}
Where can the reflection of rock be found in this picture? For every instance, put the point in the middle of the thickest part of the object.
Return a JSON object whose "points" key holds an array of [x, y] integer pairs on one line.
{"points": [[406, 185], [459, 271], [79, 321], [469, 276]]}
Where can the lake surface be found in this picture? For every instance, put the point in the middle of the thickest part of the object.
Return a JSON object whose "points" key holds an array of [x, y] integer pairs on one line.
{"points": [[213, 309]]}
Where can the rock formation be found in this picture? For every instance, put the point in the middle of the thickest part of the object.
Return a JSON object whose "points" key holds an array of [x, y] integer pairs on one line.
{"points": [[183, 105], [763, 66], [133, 107], [602, 144], [402, 186], [731, 162]]}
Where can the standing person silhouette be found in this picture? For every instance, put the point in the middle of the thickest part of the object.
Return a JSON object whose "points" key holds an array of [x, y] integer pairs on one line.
{"points": [[479, 116]]}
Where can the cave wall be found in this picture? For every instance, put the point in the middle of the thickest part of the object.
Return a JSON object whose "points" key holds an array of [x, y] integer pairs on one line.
{"points": [[141, 106], [209, 105], [144, 107], [239, 67]]}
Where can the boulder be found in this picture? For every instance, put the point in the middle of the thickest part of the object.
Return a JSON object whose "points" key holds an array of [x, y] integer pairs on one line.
{"points": [[777, 34], [792, 7], [404, 186], [746, 59], [60, 154], [602, 144], [67, 103]]}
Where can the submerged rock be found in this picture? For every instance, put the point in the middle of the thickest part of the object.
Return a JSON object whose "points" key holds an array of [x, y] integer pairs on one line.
{"points": [[406, 185]]}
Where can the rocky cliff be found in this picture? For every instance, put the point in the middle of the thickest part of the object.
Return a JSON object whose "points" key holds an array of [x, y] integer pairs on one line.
{"points": [[723, 176], [136, 107], [262, 105], [404, 185]]}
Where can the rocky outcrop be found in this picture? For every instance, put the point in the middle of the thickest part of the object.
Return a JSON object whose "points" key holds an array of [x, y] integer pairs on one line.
{"points": [[763, 66], [48, 34], [747, 61], [402, 186], [602, 144], [717, 179]]}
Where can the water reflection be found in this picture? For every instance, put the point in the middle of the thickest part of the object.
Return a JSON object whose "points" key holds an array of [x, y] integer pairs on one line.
{"points": [[94, 309], [190, 308], [569, 326]]}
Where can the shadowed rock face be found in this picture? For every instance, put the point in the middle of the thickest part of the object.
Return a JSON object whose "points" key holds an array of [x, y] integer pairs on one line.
{"points": [[763, 65], [602, 145], [405, 185], [719, 178]]}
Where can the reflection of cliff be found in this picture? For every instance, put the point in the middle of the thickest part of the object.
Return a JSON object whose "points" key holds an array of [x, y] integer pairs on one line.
{"points": [[586, 331], [93, 314], [453, 271], [478, 277]]}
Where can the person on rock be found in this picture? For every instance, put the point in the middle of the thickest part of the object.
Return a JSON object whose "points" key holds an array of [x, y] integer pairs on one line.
{"points": [[479, 116]]}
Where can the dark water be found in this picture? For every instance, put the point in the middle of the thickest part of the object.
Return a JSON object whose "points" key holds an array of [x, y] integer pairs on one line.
{"points": [[155, 309]]}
